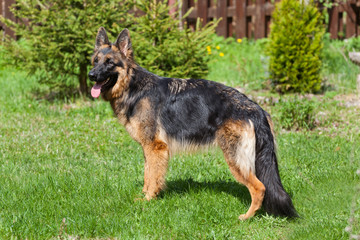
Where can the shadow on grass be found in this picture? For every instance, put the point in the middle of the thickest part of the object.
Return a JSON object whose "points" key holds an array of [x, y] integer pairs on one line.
{"points": [[187, 186], [184, 186]]}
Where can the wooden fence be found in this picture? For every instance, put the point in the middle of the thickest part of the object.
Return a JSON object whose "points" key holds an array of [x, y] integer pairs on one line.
{"points": [[246, 18], [344, 20], [251, 18], [240, 18]]}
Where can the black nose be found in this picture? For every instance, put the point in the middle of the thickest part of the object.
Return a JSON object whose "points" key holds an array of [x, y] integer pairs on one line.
{"points": [[92, 76]]}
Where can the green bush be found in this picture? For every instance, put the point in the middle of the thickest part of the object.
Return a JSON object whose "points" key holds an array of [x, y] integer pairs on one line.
{"points": [[162, 47], [296, 113], [295, 46], [58, 40]]}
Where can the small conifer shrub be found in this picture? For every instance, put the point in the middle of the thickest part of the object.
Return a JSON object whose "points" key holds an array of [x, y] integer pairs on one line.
{"points": [[295, 46], [165, 47]]}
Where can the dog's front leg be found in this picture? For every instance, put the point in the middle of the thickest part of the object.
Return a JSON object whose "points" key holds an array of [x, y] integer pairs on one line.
{"points": [[156, 162]]}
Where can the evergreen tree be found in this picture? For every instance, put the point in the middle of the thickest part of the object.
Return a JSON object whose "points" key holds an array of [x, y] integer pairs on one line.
{"points": [[295, 46], [164, 48]]}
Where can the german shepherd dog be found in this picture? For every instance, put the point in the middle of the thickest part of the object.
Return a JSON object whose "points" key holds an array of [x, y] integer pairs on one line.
{"points": [[166, 115]]}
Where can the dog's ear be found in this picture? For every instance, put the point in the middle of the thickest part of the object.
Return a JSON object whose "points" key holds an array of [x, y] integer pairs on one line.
{"points": [[101, 38], [123, 43]]}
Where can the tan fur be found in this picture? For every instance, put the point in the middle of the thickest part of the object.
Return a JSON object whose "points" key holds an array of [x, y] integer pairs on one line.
{"points": [[156, 162], [104, 46], [255, 187], [140, 126], [237, 140], [245, 154], [114, 48]]}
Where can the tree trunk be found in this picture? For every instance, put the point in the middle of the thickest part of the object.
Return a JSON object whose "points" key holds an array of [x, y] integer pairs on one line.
{"points": [[83, 80]]}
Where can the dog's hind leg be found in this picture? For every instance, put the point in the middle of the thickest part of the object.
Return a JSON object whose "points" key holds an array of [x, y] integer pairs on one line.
{"points": [[156, 162], [237, 141], [255, 187]]}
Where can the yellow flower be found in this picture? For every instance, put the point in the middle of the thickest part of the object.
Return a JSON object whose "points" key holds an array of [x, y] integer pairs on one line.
{"points": [[208, 48], [217, 47], [239, 40], [221, 54]]}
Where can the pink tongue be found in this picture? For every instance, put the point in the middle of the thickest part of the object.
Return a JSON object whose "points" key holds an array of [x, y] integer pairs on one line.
{"points": [[96, 90]]}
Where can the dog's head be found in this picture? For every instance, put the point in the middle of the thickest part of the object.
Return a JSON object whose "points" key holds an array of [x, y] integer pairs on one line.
{"points": [[111, 63]]}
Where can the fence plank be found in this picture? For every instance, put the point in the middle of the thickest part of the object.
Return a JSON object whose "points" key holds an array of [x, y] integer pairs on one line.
{"points": [[350, 20], [222, 13], [202, 7], [184, 6], [333, 22], [240, 18], [259, 31]]}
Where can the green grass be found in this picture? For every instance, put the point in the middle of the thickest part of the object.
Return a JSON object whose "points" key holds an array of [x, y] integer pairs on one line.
{"points": [[72, 160], [338, 71], [243, 64]]}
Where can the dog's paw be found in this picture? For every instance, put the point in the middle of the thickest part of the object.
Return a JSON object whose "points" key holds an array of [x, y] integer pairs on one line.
{"points": [[148, 197], [139, 197], [243, 217]]}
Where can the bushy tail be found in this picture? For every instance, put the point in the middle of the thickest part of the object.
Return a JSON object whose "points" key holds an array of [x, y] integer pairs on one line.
{"points": [[276, 201]]}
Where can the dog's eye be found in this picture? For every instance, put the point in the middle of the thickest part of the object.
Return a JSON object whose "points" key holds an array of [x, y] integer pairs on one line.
{"points": [[96, 60]]}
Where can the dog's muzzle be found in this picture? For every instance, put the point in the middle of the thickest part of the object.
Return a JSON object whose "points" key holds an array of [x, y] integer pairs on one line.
{"points": [[92, 76]]}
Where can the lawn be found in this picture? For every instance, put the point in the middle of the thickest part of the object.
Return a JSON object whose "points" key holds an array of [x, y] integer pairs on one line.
{"points": [[69, 170]]}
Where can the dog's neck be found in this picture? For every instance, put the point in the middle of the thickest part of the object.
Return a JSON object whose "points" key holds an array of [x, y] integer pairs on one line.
{"points": [[133, 89]]}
